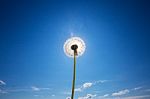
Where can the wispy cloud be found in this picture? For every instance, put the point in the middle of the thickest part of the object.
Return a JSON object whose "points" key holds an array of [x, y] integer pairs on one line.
{"points": [[122, 92], [84, 86], [88, 96], [2, 82], [34, 88], [78, 89], [28, 89], [125, 97], [100, 81], [53, 95], [137, 97], [116, 95], [2, 91], [88, 85], [106, 95], [137, 88]]}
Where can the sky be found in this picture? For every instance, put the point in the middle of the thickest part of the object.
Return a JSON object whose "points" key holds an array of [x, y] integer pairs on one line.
{"points": [[116, 62]]}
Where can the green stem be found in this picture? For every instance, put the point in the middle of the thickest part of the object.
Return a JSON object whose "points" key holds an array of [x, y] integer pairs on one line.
{"points": [[74, 76]]}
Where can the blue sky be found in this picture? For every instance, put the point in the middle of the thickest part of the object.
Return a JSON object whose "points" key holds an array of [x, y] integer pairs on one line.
{"points": [[116, 62]]}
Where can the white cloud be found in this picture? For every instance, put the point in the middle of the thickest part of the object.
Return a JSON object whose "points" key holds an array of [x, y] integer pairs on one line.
{"points": [[78, 89], [137, 97], [122, 92], [127, 97], [137, 88], [84, 86], [88, 96], [100, 81], [87, 85], [2, 82], [15, 90], [106, 95], [34, 88], [53, 95]]}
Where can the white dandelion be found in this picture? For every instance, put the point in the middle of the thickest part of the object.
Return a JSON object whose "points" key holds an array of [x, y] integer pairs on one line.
{"points": [[78, 42], [74, 47]]}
